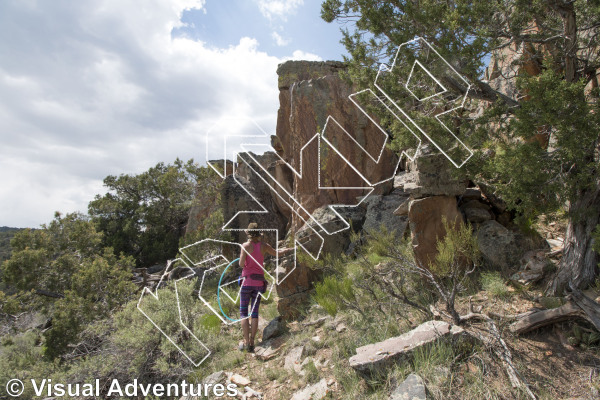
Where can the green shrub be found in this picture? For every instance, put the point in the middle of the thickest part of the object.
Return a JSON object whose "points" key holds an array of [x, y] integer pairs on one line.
{"points": [[494, 284], [334, 294]]}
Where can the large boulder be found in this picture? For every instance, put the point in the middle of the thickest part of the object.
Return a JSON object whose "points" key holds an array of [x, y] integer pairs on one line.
{"points": [[381, 212], [426, 218], [500, 246], [276, 168]]}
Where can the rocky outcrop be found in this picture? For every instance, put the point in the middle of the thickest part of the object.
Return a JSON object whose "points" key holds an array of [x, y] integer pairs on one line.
{"points": [[276, 168], [294, 290], [309, 93], [243, 196]]}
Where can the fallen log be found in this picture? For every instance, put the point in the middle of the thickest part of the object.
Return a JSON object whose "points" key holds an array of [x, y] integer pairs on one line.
{"points": [[539, 319]]}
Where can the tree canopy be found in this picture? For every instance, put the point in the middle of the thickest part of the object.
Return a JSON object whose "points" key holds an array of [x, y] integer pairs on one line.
{"points": [[145, 215], [65, 263], [532, 116]]}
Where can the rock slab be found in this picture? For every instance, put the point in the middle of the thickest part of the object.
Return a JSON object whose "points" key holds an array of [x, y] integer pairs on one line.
{"points": [[413, 388], [292, 360], [312, 392], [376, 356]]}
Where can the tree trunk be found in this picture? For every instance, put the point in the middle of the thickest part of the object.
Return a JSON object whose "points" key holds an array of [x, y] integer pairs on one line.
{"points": [[580, 262]]}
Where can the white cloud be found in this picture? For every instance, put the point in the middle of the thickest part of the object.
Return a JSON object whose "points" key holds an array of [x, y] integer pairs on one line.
{"points": [[279, 40], [89, 89], [302, 55], [278, 8]]}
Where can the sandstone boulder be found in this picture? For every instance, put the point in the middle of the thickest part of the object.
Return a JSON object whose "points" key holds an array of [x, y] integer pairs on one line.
{"points": [[293, 291], [426, 224]]}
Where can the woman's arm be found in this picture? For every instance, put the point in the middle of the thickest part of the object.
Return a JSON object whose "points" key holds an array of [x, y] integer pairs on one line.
{"points": [[271, 251], [243, 256]]}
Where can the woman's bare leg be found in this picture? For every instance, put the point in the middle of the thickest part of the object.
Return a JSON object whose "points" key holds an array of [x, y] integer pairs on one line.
{"points": [[246, 332], [254, 329]]}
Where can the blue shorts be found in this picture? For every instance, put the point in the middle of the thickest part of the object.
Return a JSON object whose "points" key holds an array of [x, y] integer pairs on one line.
{"points": [[250, 296]]}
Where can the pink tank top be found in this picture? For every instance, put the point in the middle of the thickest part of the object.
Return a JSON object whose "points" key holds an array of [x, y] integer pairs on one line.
{"points": [[253, 265]]}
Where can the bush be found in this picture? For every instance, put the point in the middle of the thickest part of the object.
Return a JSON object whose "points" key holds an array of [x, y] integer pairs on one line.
{"points": [[385, 279], [333, 294], [493, 283]]}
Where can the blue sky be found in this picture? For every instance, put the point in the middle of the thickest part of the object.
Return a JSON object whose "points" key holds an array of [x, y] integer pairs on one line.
{"points": [[222, 23], [92, 88]]}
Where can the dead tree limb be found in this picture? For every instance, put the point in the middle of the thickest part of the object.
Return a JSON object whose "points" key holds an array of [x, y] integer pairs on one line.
{"points": [[546, 317], [587, 305], [578, 306], [499, 347]]}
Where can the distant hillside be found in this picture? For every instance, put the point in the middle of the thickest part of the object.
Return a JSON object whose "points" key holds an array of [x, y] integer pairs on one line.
{"points": [[6, 234]]}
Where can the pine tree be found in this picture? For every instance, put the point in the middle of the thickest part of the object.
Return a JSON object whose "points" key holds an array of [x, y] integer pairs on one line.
{"points": [[537, 145]]}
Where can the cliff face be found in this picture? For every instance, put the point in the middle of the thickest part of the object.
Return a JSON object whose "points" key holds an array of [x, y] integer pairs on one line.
{"points": [[309, 93]]}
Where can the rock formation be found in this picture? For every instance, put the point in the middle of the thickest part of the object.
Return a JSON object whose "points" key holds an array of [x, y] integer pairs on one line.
{"points": [[425, 192], [309, 92]]}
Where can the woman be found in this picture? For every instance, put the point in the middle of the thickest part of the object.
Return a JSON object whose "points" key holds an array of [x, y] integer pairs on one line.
{"points": [[254, 281]]}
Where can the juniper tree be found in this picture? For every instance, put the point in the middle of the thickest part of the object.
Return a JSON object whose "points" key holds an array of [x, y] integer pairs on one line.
{"points": [[537, 141]]}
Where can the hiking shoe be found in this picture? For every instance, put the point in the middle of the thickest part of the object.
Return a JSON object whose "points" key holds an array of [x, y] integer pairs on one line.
{"points": [[251, 348], [241, 346]]}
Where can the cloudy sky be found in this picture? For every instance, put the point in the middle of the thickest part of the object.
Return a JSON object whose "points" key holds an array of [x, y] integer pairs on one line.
{"points": [[91, 88]]}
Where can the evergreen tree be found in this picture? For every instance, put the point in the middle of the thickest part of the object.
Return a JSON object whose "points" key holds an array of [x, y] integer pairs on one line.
{"points": [[537, 144], [145, 215]]}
